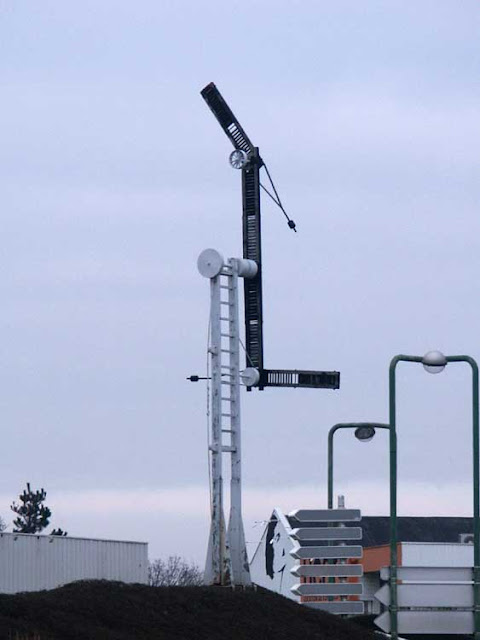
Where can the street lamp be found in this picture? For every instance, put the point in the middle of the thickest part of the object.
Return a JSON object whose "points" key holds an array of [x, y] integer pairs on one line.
{"points": [[364, 432], [433, 362]]}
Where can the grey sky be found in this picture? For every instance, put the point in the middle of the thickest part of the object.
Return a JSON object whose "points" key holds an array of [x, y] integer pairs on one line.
{"points": [[114, 176]]}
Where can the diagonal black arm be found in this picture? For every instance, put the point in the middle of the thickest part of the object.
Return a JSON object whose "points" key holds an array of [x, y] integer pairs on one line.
{"points": [[225, 117]]}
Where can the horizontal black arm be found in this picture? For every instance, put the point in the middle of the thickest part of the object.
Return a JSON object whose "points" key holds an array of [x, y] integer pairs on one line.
{"points": [[295, 378]]}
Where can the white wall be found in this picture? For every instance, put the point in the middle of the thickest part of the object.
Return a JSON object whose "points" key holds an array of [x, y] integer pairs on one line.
{"points": [[371, 584], [35, 562], [437, 554]]}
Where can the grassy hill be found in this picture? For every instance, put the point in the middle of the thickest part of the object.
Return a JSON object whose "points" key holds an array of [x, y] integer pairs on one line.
{"points": [[100, 610]]}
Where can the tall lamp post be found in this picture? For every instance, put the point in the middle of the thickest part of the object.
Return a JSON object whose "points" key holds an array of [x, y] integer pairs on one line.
{"points": [[433, 362], [364, 431]]}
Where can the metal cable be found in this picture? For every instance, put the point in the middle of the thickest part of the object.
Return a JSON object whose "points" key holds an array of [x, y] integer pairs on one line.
{"points": [[246, 352], [277, 200]]}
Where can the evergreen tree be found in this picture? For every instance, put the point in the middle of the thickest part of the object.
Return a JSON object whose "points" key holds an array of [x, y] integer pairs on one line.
{"points": [[33, 515]]}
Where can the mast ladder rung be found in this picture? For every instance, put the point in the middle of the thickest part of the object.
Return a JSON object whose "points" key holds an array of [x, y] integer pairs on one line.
{"points": [[225, 286], [226, 399], [226, 335], [226, 449], [227, 430], [226, 351], [226, 415]]}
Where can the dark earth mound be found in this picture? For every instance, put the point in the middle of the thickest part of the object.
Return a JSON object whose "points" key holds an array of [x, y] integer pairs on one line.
{"points": [[101, 610]]}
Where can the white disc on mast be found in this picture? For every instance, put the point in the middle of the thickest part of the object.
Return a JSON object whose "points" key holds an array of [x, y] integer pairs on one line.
{"points": [[210, 262]]}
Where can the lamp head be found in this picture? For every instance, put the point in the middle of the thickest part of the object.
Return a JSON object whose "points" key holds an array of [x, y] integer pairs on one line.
{"points": [[365, 433], [434, 362]]}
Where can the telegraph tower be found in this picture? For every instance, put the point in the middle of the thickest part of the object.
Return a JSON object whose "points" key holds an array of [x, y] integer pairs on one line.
{"points": [[227, 561]]}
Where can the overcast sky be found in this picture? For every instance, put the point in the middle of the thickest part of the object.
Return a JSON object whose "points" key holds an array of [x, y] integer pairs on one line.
{"points": [[115, 176]]}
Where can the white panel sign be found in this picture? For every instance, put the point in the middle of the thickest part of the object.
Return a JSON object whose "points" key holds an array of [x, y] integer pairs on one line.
{"points": [[438, 622], [326, 515], [345, 606], [327, 570], [327, 552], [429, 595], [327, 589], [327, 533], [430, 574]]}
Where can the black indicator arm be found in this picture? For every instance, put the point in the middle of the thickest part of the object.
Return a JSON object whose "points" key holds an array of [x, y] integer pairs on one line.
{"points": [[295, 378], [225, 117]]}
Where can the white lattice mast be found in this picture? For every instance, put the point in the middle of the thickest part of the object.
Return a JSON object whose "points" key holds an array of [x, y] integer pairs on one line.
{"points": [[227, 560]]}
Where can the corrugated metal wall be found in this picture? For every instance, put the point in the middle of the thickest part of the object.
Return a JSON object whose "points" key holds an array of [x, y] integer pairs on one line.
{"points": [[36, 562]]}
